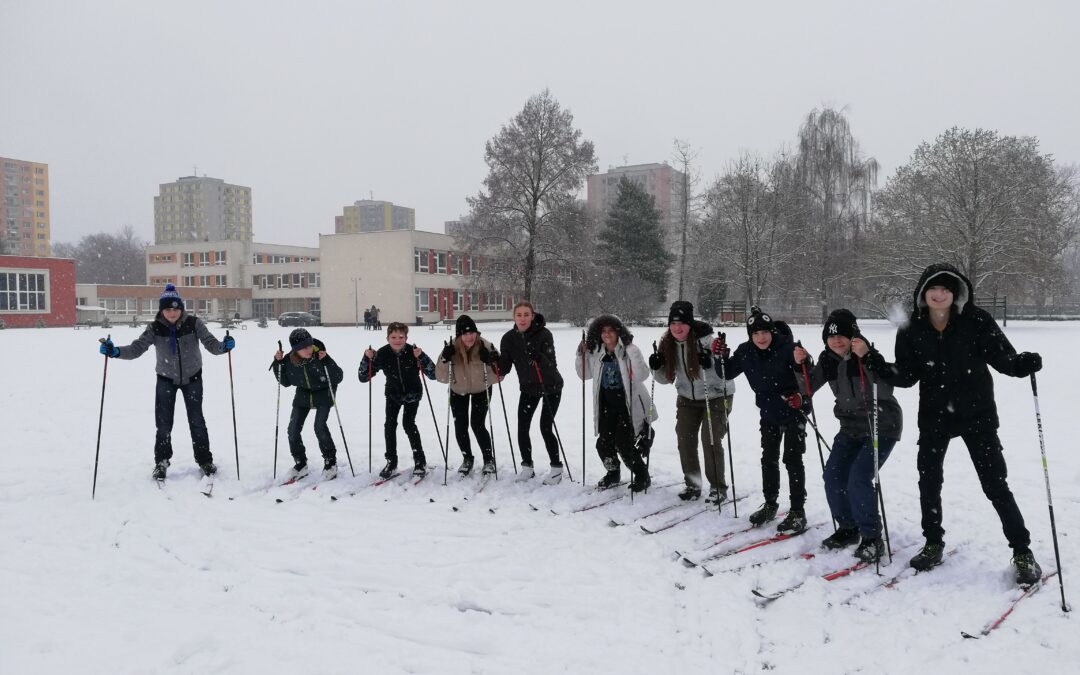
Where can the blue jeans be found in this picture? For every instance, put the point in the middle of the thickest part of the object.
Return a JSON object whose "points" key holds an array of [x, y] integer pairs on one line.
{"points": [[849, 482]]}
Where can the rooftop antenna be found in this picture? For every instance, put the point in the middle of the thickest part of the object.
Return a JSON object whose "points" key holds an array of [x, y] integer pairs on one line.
{"points": [[371, 195], [195, 170]]}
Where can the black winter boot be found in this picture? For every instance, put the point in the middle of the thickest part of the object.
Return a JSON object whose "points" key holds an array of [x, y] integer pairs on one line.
{"points": [[641, 481], [159, 469], [613, 475], [929, 557], [870, 550], [1027, 570], [690, 493], [842, 538], [793, 523], [419, 463], [763, 515], [389, 469], [466, 465]]}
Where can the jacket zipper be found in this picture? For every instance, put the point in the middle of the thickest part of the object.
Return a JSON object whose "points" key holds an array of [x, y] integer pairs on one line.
{"points": [[310, 397]]}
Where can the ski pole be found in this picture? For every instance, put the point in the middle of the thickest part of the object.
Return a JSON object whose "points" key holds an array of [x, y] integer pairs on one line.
{"points": [[630, 412], [491, 421], [583, 409], [727, 431], [502, 399], [712, 438], [813, 415], [873, 420], [277, 414], [449, 404], [558, 439], [651, 412], [232, 396], [333, 402], [369, 469], [1049, 499], [434, 420], [101, 415]]}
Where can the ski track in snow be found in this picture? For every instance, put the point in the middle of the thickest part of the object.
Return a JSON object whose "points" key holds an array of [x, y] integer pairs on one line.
{"points": [[392, 580]]}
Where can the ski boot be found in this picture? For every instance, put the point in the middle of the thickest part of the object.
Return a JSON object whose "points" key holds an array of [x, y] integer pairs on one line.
{"points": [[389, 469], [842, 538], [329, 470], [208, 468], [870, 550], [489, 468], [527, 473], [793, 523], [763, 515], [1028, 571], [612, 477], [641, 481], [715, 498], [159, 469], [299, 470], [419, 464], [929, 557], [690, 493], [554, 476], [466, 465]]}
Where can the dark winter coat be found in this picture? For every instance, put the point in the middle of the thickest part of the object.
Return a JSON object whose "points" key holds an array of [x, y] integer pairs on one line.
{"points": [[309, 378], [854, 396], [402, 371], [956, 390], [176, 345], [523, 350], [770, 373]]}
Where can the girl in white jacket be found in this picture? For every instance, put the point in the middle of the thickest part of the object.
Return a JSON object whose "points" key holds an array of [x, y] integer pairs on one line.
{"points": [[622, 410]]}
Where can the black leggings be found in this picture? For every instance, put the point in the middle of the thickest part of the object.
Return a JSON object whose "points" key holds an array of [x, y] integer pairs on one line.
{"points": [[526, 409], [459, 408], [322, 432], [794, 437]]}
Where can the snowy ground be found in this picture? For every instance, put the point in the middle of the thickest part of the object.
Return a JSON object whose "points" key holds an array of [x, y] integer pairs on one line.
{"points": [[394, 580]]}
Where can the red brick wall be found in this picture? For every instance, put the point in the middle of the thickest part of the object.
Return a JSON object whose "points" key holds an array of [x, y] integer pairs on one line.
{"points": [[61, 299]]}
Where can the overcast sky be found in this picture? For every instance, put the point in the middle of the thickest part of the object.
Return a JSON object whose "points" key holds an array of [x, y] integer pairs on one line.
{"points": [[317, 104]]}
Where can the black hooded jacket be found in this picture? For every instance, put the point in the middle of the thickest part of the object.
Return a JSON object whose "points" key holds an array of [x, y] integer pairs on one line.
{"points": [[956, 390], [523, 350]]}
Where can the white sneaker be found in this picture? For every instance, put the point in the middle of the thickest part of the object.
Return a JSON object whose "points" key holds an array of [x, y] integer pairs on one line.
{"points": [[554, 477], [525, 474]]}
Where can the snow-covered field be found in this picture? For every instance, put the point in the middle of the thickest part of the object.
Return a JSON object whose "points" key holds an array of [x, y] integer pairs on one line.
{"points": [[394, 580]]}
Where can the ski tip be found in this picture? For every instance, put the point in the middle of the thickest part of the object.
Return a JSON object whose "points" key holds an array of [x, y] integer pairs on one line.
{"points": [[280, 501], [968, 636], [333, 498], [453, 508], [491, 511]]}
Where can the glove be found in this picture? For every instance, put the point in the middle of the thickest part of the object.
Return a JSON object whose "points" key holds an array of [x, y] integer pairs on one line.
{"points": [[719, 346], [875, 362], [1027, 363], [109, 349], [644, 442], [228, 343], [656, 362], [489, 356], [795, 400], [448, 353], [705, 358]]}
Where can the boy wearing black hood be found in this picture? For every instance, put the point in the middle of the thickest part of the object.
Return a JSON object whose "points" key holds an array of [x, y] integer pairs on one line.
{"points": [[945, 348], [767, 361]]}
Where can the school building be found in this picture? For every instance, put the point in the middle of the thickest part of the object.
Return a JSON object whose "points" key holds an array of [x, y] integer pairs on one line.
{"points": [[37, 291]]}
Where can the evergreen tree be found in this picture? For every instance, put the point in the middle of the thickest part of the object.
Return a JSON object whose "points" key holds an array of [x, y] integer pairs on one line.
{"points": [[631, 249]]}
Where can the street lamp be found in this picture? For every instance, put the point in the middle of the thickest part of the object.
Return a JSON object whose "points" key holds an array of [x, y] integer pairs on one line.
{"points": [[356, 299]]}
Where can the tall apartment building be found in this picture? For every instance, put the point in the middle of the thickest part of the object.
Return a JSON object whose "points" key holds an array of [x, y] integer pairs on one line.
{"points": [[24, 208], [368, 215], [664, 183], [202, 209]]}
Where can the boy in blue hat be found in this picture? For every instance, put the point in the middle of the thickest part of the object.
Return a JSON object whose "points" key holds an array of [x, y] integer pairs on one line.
{"points": [[175, 336]]}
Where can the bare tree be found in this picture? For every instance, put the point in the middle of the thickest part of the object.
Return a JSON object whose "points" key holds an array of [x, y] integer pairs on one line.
{"points": [[689, 207], [991, 204], [536, 164], [107, 258]]}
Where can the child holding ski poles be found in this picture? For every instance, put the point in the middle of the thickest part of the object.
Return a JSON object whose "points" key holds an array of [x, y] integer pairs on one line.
{"points": [[622, 409], [530, 348], [766, 359], [849, 473], [402, 363], [307, 367], [471, 358], [175, 336], [683, 359], [946, 347]]}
